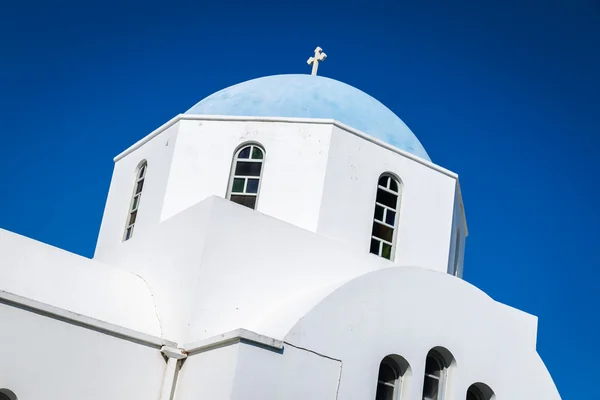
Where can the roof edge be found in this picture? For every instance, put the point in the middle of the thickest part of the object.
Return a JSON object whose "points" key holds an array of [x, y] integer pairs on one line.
{"points": [[323, 121]]}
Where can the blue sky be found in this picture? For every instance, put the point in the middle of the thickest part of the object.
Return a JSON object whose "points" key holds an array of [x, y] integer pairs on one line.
{"points": [[505, 93]]}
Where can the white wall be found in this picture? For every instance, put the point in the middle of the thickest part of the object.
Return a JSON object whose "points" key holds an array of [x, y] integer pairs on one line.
{"points": [[49, 275], [44, 358], [408, 311], [426, 209], [245, 371], [209, 375], [293, 170], [316, 176], [294, 374], [158, 152]]}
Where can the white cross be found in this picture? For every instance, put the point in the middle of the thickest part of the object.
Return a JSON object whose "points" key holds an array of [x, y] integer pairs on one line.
{"points": [[319, 56]]}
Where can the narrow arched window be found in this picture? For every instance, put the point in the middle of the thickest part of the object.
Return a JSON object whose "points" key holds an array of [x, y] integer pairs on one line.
{"points": [[246, 171], [436, 373], [387, 202], [6, 394], [135, 199], [480, 391], [389, 380]]}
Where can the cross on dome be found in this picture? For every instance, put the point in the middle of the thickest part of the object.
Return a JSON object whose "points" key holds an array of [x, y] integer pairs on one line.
{"points": [[319, 56]]}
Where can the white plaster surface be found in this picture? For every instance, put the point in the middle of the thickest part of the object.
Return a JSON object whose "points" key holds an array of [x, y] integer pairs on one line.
{"points": [[53, 276], [293, 171], [408, 311], [426, 206], [209, 375], [44, 358], [158, 152]]}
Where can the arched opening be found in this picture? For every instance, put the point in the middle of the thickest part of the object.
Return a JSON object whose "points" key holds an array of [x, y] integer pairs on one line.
{"points": [[385, 219], [437, 366], [246, 171], [6, 394], [140, 177], [392, 372], [480, 391]]}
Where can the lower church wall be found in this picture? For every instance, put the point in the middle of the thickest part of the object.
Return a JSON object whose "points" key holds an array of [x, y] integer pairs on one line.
{"points": [[45, 358]]}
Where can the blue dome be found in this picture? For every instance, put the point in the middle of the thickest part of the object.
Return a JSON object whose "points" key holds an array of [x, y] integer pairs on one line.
{"points": [[308, 96]]}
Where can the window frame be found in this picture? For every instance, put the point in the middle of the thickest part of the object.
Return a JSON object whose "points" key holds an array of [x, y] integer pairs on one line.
{"points": [[233, 176], [141, 173], [393, 244], [443, 366], [401, 370]]}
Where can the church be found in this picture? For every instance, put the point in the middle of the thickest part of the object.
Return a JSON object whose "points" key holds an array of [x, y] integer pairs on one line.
{"points": [[287, 237]]}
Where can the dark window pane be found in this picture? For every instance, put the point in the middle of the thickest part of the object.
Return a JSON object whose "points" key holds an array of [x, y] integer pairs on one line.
{"points": [[238, 185], [252, 186], [384, 392], [374, 246], [257, 154], [248, 201], [393, 185], [472, 395], [128, 233], [430, 388], [432, 366], [378, 213], [132, 217], [244, 153], [386, 373], [142, 171], [386, 198], [136, 200], [383, 181], [383, 232], [386, 251], [390, 217], [248, 168], [139, 187]]}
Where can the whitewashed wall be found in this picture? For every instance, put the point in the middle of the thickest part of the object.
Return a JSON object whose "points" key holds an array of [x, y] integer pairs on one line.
{"points": [[316, 176], [426, 207], [158, 152], [293, 171], [408, 311], [45, 358]]}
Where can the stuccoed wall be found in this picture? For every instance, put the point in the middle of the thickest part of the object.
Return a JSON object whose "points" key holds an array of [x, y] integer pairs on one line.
{"points": [[293, 171], [45, 358], [158, 152], [426, 206], [316, 176], [408, 311]]}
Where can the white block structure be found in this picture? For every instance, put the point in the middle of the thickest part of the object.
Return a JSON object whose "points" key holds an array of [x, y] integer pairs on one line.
{"points": [[286, 238]]}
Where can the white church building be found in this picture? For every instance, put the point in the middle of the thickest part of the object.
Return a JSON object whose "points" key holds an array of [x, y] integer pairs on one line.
{"points": [[285, 238]]}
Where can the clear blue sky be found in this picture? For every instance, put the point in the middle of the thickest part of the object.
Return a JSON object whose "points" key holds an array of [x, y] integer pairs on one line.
{"points": [[505, 93]]}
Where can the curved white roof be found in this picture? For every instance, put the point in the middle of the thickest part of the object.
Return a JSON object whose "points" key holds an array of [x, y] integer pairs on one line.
{"points": [[61, 279]]}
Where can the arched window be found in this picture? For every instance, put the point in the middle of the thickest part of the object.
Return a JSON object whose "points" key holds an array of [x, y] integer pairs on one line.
{"points": [[246, 171], [6, 394], [135, 200], [436, 373], [386, 216], [392, 371], [480, 391]]}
